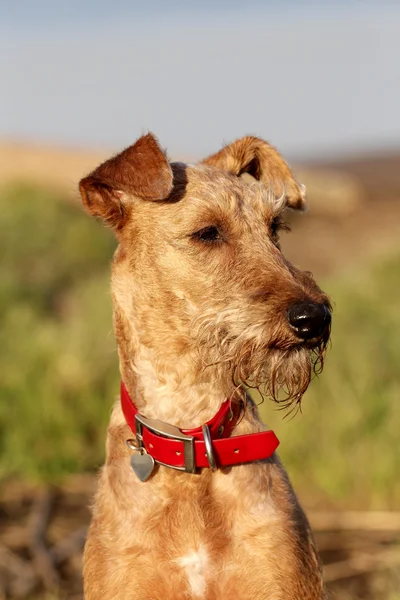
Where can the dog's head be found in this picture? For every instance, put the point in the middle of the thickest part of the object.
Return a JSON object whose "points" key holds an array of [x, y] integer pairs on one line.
{"points": [[199, 270]]}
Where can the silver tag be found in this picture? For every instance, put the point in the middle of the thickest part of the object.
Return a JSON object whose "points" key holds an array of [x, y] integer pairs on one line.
{"points": [[142, 464]]}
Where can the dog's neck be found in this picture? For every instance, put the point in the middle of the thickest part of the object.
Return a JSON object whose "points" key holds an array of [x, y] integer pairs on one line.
{"points": [[179, 393], [162, 369]]}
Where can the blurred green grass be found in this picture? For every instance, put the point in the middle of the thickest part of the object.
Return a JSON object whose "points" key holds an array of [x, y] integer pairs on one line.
{"points": [[58, 365], [59, 371]]}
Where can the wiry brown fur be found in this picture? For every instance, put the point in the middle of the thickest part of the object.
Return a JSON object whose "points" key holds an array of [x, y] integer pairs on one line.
{"points": [[192, 320]]}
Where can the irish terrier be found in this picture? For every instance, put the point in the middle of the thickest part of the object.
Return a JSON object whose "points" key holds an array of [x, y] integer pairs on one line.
{"points": [[193, 501]]}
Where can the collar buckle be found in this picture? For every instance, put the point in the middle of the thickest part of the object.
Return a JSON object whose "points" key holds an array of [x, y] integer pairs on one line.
{"points": [[209, 449], [169, 431]]}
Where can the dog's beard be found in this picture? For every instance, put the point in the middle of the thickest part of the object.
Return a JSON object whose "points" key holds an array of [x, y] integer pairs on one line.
{"points": [[283, 375], [267, 359]]}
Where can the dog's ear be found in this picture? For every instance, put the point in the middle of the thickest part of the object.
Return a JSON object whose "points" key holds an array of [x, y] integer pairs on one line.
{"points": [[140, 171], [256, 158]]}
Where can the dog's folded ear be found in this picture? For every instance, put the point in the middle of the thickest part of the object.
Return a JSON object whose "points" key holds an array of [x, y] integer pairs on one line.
{"points": [[255, 157], [141, 171]]}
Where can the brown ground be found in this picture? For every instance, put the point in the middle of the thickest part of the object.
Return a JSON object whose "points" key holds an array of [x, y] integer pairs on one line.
{"points": [[60, 168], [43, 532], [327, 242]]}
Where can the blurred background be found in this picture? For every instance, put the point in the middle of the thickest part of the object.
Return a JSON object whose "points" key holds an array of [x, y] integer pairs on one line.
{"points": [[83, 79]]}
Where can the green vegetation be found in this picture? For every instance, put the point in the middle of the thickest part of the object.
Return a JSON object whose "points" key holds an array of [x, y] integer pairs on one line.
{"points": [[58, 366], [59, 370]]}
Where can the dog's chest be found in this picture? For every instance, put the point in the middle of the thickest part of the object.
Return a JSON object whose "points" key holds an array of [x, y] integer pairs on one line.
{"points": [[200, 532]]}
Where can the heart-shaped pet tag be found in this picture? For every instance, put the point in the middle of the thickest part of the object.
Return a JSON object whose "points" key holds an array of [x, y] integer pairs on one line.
{"points": [[142, 464]]}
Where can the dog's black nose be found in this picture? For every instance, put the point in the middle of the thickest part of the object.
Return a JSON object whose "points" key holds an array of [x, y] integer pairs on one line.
{"points": [[308, 320]]}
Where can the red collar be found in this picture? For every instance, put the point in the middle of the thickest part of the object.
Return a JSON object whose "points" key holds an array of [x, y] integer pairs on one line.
{"points": [[205, 446]]}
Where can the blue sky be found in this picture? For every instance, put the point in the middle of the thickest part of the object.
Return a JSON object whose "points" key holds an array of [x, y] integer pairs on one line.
{"points": [[315, 78]]}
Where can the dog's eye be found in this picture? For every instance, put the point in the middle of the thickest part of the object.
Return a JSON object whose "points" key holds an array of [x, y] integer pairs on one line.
{"points": [[208, 234]]}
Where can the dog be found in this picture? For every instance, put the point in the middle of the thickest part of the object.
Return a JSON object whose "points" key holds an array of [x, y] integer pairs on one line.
{"points": [[193, 501]]}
